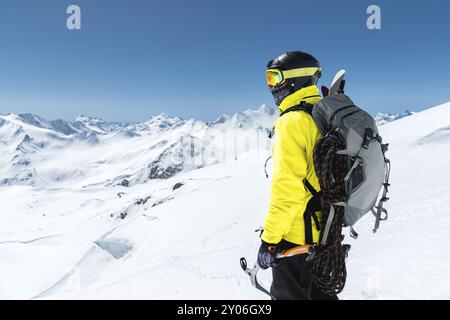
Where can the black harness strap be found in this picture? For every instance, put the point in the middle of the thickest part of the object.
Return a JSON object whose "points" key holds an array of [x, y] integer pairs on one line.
{"points": [[314, 205], [310, 188], [308, 225], [301, 107]]}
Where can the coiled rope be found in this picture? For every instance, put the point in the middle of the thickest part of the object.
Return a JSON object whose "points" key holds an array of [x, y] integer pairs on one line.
{"points": [[329, 272]]}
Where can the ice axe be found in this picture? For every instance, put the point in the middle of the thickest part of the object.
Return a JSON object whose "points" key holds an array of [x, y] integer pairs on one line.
{"points": [[307, 249]]}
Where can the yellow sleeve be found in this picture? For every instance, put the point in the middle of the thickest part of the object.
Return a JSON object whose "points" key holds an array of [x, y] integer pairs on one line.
{"points": [[289, 169]]}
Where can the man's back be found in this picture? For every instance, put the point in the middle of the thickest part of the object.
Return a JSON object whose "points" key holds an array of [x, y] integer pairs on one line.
{"points": [[295, 136]]}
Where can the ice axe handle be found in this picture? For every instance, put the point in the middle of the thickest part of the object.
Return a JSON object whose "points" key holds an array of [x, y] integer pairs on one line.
{"points": [[254, 280], [307, 249]]}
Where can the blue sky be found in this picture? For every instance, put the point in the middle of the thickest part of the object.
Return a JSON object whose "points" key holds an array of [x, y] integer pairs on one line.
{"points": [[203, 58]]}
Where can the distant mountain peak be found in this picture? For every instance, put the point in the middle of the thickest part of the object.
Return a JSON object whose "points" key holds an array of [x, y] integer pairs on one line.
{"points": [[163, 121], [88, 119], [382, 118], [81, 118], [261, 118], [221, 119], [34, 120], [265, 109]]}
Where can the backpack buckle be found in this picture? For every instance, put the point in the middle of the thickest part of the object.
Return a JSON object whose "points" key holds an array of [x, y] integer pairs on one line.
{"points": [[368, 136]]}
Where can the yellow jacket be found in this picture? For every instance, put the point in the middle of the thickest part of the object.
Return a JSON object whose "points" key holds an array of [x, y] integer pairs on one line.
{"points": [[292, 157]]}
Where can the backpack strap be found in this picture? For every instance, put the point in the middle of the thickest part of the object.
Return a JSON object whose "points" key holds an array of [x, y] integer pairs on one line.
{"points": [[310, 188], [307, 107], [303, 106], [314, 205]]}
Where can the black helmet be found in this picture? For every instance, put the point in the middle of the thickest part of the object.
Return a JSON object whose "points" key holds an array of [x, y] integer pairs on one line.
{"points": [[290, 72]]}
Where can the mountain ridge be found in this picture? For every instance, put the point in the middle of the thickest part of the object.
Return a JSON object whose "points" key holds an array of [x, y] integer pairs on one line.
{"points": [[174, 144]]}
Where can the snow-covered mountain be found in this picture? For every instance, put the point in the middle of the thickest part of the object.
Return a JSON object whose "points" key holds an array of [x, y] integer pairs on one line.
{"points": [[36, 149], [382, 118], [165, 208], [39, 152]]}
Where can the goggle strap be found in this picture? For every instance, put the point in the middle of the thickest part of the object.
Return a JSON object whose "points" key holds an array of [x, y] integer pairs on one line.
{"points": [[300, 72]]}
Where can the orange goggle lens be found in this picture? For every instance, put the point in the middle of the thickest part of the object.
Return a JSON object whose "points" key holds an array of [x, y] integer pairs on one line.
{"points": [[274, 77]]}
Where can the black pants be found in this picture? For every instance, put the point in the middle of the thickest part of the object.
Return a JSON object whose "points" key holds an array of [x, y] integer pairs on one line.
{"points": [[292, 280]]}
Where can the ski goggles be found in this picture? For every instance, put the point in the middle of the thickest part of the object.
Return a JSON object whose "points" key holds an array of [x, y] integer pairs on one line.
{"points": [[275, 77]]}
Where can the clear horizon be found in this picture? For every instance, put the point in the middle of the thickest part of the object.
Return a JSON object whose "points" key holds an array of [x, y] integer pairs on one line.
{"points": [[4, 112], [130, 62]]}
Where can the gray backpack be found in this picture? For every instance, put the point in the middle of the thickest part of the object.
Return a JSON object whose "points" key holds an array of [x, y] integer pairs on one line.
{"points": [[368, 168]]}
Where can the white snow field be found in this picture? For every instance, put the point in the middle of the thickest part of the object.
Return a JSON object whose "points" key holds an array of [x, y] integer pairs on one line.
{"points": [[72, 228]]}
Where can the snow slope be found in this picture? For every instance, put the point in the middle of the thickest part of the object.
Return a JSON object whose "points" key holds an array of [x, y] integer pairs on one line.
{"points": [[182, 237], [409, 257]]}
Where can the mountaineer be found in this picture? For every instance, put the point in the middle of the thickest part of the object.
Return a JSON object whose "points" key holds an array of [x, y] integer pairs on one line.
{"points": [[294, 216]]}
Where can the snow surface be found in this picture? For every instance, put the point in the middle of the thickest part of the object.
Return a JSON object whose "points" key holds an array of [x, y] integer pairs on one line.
{"points": [[73, 230]]}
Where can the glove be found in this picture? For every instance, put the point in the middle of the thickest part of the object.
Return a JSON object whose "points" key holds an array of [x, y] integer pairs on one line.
{"points": [[267, 255]]}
